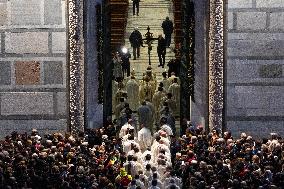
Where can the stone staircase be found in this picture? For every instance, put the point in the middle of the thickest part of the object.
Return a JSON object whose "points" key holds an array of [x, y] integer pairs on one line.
{"points": [[152, 14]]}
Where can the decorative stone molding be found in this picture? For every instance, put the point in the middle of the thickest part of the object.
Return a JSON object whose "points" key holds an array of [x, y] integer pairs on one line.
{"points": [[216, 65], [76, 66]]}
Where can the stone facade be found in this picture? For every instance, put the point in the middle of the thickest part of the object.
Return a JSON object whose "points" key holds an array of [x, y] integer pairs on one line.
{"points": [[33, 65], [255, 64], [199, 107]]}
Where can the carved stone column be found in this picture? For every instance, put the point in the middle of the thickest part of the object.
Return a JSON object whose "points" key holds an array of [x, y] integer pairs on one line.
{"points": [[187, 59], [216, 65], [76, 65]]}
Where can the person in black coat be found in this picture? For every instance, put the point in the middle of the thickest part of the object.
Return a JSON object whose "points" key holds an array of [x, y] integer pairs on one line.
{"points": [[125, 55], [161, 50], [136, 41], [168, 28], [136, 5]]}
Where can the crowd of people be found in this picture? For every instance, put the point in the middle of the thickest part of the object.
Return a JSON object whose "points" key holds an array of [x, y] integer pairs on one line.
{"points": [[112, 157]]}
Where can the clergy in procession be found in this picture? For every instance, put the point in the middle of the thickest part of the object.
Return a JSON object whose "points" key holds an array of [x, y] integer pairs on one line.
{"points": [[146, 89], [132, 88], [119, 107], [119, 93], [165, 127], [129, 142], [165, 81], [125, 128], [125, 115], [168, 117], [144, 115], [174, 89], [170, 102], [157, 102], [172, 77], [144, 138], [152, 108]]}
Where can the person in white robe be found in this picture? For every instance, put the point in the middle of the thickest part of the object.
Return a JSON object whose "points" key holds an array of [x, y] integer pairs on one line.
{"points": [[135, 152], [165, 127], [161, 168], [174, 89], [125, 128], [152, 77], [148, 171], [165, 81], [132, 88], [155, 176], [172, 77], [147, 161], [156, 150], [146, 152], [143, 178], [129, 144], [164, 137], [138, 182], [173, 180], [129, 165], [146, 90], [136, 167], [144, 138], [157, 98]]}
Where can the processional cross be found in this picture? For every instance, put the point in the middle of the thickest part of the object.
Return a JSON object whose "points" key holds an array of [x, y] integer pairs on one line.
{"points": [[149, 40]]}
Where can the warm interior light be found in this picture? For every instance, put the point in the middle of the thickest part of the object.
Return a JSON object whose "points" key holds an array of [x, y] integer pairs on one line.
{"points": [[124, 50]]}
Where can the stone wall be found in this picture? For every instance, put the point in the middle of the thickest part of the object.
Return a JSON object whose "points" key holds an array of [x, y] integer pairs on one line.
{"points": [[32, 65], [255, 66], [199, 107]]}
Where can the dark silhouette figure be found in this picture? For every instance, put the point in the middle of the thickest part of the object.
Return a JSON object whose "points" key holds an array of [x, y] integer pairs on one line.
{"points": [[125, 63], [136, 41], [161, 50], [136, 5], [168, 28]]}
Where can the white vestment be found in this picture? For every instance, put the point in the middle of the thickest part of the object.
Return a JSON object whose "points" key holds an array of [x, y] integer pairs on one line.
{"points": [[136, 168], [159, 184], [132, 88], [167, 129], [171, 79], [144, 138], [124, 130], [127, 145], [166, 84], [157, 98], [175, 90], [177, 181], [156, 150]]}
